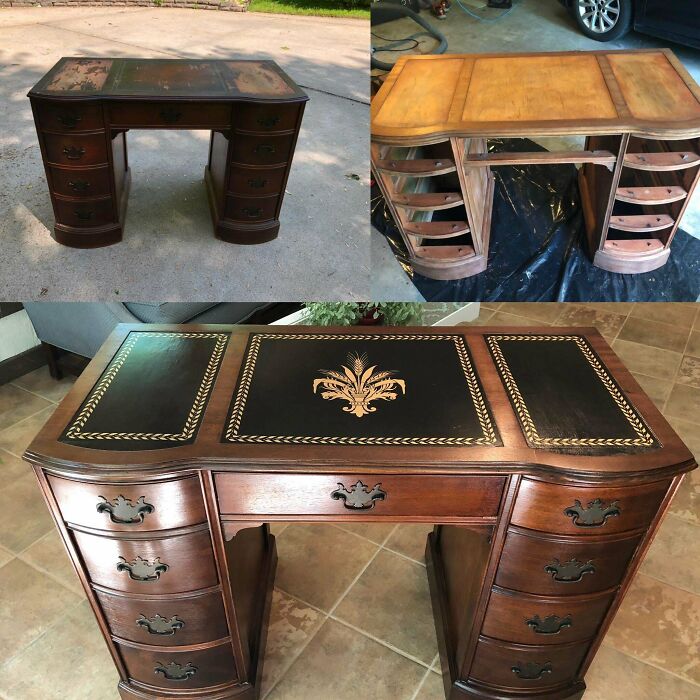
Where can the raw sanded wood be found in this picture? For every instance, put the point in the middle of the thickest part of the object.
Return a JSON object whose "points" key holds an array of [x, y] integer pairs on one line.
{"points": [[650, 195], [639, 223]]}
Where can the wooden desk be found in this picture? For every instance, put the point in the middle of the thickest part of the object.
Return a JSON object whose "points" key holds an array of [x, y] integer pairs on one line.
{"points": [[639, 111], [545, 467], [83, 108]]}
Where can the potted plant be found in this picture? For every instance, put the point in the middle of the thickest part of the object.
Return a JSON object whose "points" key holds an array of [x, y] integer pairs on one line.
{"points": [[388, 313]]}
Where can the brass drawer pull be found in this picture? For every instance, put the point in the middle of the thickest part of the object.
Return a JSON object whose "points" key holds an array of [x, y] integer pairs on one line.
{"points": [[79, 185], [268, 122], [552, 624], [593, 515], [531, 671], [160, 625], [570, 571], [70, 121], [142, 570], [83, 214], [73, 153], [358, 497], [176, 672], [170, 115], [252, 213], [265, 148], [257, 182], [123, 512]]}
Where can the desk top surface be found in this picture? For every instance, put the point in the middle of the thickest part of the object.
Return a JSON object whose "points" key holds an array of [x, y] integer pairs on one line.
{"points": [[158, 78], [249, 398], [648, 92]]}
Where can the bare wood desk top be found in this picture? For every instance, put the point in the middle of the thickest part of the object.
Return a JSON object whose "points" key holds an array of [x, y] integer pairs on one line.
{"points": [[646, 92]]}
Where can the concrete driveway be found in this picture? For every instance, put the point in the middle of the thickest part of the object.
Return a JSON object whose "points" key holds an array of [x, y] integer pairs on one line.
{"points": [[169, 251]]}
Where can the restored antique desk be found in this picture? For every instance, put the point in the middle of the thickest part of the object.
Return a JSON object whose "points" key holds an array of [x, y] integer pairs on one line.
{"points": [[544, 466], [83, 108], [639, 111]]}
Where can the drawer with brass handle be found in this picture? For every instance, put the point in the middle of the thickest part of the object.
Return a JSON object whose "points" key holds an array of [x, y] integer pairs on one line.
{"points": [[251, 208], [83, 149], [88, 182], [261, 149], [69, 118], [89, 212], [180, 115], [253, 181], [264, 118]]}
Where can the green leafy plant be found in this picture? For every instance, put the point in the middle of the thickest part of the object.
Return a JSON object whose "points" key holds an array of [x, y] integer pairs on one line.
{"points": [[391, 313]]}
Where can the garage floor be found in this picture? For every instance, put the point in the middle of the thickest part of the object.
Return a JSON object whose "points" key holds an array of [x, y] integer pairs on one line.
{"points": [[533, 25]]}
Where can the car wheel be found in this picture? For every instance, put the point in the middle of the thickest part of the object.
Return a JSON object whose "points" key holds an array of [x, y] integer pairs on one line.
{"points": [[603, 20]]}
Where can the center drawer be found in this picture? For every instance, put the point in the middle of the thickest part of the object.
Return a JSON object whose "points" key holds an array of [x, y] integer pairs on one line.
{"points": [[177, 115], [365, 495]]}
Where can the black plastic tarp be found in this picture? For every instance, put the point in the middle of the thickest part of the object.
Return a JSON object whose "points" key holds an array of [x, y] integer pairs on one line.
{"points": [[538, 250]]}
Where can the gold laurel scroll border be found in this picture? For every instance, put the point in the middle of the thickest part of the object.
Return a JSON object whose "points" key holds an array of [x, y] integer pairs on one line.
{"points": [[74, 432], [645, 438], [489, 436]]}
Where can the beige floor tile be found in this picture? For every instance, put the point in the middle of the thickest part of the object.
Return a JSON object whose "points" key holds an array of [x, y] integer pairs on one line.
{"points": [[659, 624], [37, 602], [12, 467], [353, 665], [676, 313], [24, 517], [656, 389], [410, 540], [674, 555], [481, 320], [317, 563], [431, 688], [5, 556], [49, 555], [491, 305], [291, 625], [278, 528], [652, 362], [689, 372], [693, 347], [688, 432], [504, 319], [684, 402], [616, 676], [381, 600], [41, 382], [614, 307], [686, 502], [658, 335], [17, 404], [70, 661], [543, 312], [377, 532], [16, 439], [607, 323]]}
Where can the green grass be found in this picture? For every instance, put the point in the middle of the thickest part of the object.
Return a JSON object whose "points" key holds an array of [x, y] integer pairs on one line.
{"points": [[321, 8]]}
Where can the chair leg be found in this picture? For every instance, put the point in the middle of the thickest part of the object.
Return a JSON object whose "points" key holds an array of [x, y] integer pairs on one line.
{"points": [[52, 360]]}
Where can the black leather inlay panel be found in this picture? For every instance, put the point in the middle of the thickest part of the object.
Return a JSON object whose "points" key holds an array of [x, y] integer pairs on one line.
{"points": [[398, 389], [564, 396], [152, 394]]}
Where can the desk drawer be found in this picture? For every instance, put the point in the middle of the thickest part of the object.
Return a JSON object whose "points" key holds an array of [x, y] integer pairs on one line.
{"points": [[264, 118], [256, 182], [69, 117], [177, 669], [175, 622], [524, 619], [93, 182], [178, 115], [251, 208], [519, 666], [66, 149], [262, 149], [586, 511], [361, 494], [130, 507], [550, 566], [88, 212], [167, 565]]}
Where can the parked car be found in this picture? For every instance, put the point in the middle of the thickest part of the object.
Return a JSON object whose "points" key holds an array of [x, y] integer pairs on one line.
{"points": [[603, 20]]}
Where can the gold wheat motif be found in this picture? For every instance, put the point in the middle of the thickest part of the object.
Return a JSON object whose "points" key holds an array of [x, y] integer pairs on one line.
{"points": [[359, 385]]}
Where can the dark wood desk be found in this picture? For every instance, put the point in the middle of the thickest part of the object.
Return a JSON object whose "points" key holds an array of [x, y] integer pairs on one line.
{"points": [[83, 108], [545, 467]]}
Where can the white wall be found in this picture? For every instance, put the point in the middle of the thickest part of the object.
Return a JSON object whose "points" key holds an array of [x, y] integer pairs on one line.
{"points": [[16, 335]]}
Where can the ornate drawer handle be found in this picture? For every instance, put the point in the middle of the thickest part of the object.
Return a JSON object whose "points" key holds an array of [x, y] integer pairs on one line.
{"points": [[252, 213], [358, 497], [69, 120], [265, 148], [552, 624], [170, 115], [141, 569], [257, 182], [160, 625], [83, 214], [79, 185], [531, 671], [123, 512], [595, 514], [176, 672], [268, 122], [569, 571], [73, 153]]}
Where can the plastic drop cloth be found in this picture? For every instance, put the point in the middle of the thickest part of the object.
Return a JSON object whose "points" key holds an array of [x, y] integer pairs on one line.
{"points": [[538, 250]]}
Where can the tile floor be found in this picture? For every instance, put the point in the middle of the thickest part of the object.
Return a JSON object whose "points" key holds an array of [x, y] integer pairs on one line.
{"points": [[360, 626]]}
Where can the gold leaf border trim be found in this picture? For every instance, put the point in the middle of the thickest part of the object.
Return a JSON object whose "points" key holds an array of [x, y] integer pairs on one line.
{"points": [[489, 436], [74, 432], [644, 437]]}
